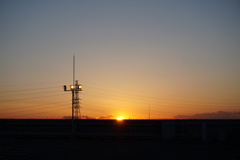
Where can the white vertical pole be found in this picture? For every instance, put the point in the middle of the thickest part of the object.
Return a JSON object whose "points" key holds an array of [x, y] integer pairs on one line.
{"points": [[73, 94], [73, 69]]}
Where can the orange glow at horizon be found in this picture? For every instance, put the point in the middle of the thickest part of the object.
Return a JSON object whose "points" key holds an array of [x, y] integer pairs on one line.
{"points": [[107, 102], [120, 118]]}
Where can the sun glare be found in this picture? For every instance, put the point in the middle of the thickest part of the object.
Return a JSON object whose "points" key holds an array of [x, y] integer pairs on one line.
{"points": [[119, 118]]}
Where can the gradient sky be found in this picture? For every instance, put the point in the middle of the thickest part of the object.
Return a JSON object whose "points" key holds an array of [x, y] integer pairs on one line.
{"points": [[174, 57]]}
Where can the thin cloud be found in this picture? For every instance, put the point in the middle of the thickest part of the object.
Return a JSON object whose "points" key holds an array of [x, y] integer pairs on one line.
{"points": [[67, 117], [82, 117], [107, 117], [212, 115], [89, 117]]}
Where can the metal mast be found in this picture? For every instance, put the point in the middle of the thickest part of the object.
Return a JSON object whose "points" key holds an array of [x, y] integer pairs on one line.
{"points": [[75, 88], [76, 104]]}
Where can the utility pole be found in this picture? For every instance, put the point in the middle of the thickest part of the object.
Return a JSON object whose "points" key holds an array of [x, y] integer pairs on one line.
{"points": [[75, 88]]}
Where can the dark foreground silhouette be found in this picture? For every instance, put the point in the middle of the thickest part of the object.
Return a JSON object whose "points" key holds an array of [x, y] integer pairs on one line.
{"points": [[119, 149], [164, 130], [127, 139]]}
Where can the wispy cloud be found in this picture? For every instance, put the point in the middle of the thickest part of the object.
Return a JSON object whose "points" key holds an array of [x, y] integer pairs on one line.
{"points": [[67, 117], [83, 117], [212, 115], [89, 117], [106, 117]]}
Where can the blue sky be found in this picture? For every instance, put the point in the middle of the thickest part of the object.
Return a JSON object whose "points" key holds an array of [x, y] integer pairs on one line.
{"points": [[177, 49]]}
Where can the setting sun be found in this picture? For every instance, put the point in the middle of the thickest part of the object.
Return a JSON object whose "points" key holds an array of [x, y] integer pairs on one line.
{"points": [[119, 118]]}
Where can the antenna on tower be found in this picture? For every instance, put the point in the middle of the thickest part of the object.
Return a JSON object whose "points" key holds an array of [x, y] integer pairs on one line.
{"points": [[75, 88], [73, 69]]}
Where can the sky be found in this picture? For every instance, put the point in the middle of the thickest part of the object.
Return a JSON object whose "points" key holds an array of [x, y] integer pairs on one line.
{"points": [[138, 59]]}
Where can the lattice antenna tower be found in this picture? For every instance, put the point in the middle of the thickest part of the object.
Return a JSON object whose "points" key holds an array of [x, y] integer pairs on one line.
{"points": [[75, 88]]}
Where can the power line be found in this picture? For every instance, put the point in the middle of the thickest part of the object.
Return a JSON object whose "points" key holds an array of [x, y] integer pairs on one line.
{"points": [[31, 98], [120, 91], [28, 110], [33, 106], [32, 93], [41, 112], [22, 90]]}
